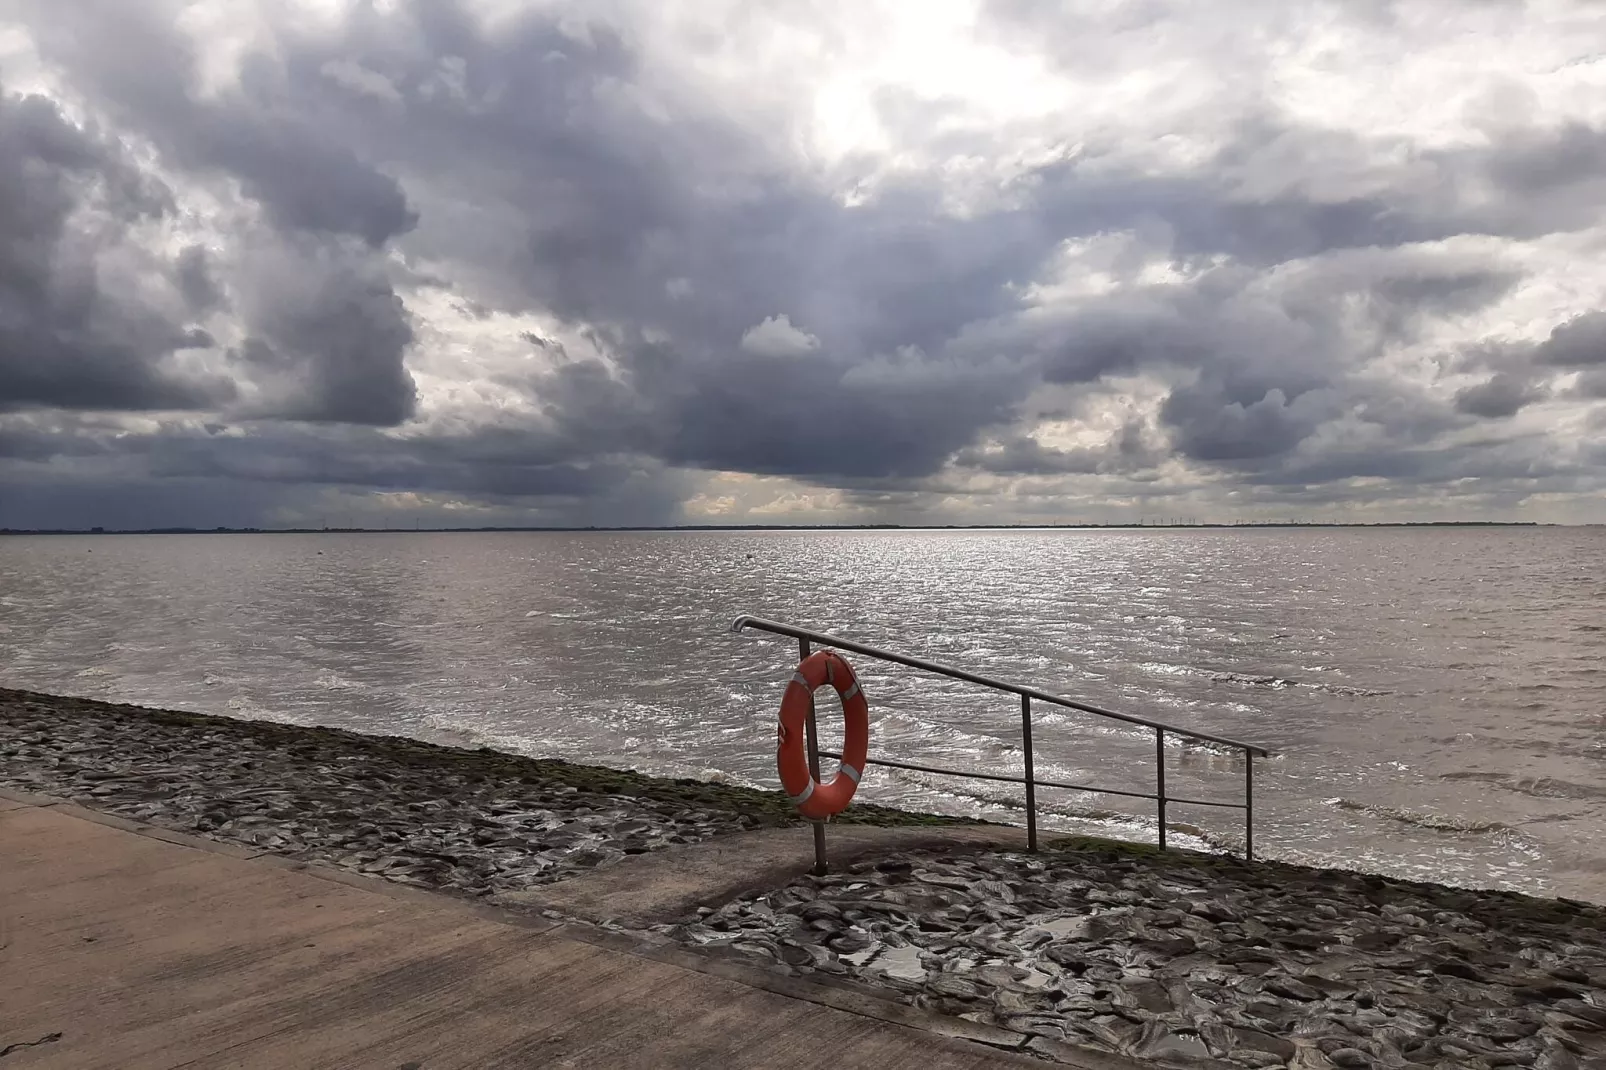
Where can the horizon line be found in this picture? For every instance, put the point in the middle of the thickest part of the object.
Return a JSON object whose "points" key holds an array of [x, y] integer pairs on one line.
{"points": [[572, 528]]}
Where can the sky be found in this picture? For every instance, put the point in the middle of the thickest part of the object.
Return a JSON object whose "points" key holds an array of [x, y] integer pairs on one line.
{"points": [[638, 262]]}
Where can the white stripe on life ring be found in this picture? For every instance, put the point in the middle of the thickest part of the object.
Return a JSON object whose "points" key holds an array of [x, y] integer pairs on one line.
{"points": [[852, 772], [850, 692], [803, 796], [799, 678]]}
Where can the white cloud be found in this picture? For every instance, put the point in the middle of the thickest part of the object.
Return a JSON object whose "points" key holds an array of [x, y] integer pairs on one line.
{"points": [[776, 337], [360, 79]]}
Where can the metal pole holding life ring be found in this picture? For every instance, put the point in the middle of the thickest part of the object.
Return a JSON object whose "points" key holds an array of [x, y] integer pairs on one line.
{"points": [[797, 753], [821, 868]]}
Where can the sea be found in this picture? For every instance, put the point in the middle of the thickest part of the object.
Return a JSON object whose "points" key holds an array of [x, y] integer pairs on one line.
{"points": [[1434, 698]]}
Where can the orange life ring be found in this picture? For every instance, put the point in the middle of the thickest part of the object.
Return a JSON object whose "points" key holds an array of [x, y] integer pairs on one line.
{"points": [[817, 801]]}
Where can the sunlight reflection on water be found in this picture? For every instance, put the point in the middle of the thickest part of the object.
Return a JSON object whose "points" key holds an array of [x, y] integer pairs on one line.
{"points": [[1424, 679]]}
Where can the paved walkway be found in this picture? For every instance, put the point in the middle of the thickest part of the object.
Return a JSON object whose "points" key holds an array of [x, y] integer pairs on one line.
{"points": [[120, 949]]}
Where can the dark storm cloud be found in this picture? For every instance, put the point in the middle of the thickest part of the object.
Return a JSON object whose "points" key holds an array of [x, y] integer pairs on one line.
{"points": [[331, 346], [611, 206], [236, 475], [779, 415], [335, 339], [488, 464], [143, 72], [28, 441], [66, 193], [544, 165], [305, 180], [795, 417]]}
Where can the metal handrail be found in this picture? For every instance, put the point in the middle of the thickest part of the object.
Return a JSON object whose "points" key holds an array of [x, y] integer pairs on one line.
{"points": [[807, 637], [823, 639], [1004, 778]]}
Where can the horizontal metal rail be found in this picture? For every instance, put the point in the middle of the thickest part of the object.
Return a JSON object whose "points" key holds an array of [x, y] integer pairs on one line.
{"points": [[821, 638], [807, 638], [1005, 778]]}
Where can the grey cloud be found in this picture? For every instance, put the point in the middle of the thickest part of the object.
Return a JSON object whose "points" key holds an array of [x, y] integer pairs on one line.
{"points": [[1131, 330], [306, 176], [1210, 426], [517, 165], [1545, 181], [1579, 342], [1376, 190], [1275, 231], [1503, 395], [1406, 416], [1523, 370], [1592, 384], [490, 464], [1400, 303], [306, 180], [1510, 463], [86, 497], [797, 418], [1259, 368], [332, 343], [65, 341], [326, 333], [196, 281], [1542, 162], [53, 473], [34, 441], [1129, 451], [609, 215]]}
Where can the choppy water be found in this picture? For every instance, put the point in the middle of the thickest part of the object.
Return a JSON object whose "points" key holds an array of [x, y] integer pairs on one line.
{"points": [[1437, 698]]}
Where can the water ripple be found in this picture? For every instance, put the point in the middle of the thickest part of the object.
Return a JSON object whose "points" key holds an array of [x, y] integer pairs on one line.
{"points": [[1444, 684]]}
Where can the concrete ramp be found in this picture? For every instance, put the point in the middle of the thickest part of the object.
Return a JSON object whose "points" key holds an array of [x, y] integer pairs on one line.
{"points": [[127, 948]]}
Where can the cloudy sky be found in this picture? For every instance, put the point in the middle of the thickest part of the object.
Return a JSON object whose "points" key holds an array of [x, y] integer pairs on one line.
{"points": [[718, 261]]}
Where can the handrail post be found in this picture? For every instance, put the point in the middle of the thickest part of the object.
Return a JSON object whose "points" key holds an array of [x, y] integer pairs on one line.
{"points": [[1031, 788], [1159, 770], [1249, 805], [813, 736]]}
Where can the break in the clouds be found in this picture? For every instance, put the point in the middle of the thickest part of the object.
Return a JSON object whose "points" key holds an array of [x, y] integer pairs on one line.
{"points": [[482, 261]]}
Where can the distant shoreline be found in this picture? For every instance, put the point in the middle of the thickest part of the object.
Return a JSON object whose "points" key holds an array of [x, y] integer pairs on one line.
{"points": [[781, 527]]}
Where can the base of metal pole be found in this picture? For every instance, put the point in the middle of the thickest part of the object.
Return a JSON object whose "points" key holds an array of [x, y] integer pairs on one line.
{"points": [[820, 867]]}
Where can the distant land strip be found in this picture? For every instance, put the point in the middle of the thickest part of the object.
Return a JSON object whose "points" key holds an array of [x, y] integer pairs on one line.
{"points": [[782, 527]]}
